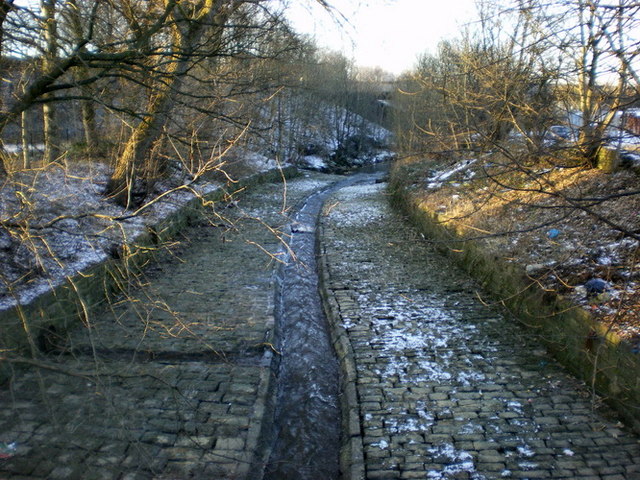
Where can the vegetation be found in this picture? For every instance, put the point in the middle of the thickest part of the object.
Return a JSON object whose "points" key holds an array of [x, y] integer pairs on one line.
{"points": [[168, 92], [160, 80], [502, 131], [149, 104]]}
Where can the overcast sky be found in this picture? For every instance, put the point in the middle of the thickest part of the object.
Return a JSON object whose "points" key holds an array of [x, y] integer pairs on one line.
{"points": [[386, 33]]}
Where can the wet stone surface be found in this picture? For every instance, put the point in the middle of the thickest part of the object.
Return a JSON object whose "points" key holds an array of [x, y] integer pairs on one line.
{"points": [[448, 388], [175, 384]]}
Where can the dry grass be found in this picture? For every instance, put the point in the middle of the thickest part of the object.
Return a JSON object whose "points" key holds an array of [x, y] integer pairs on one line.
{"points": [[514, 212]]}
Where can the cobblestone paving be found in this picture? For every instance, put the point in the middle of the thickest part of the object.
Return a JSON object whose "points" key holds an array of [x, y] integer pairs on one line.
{"points": [[447, 387], [174, 384]]}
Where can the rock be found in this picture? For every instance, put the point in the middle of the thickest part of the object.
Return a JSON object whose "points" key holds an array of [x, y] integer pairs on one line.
{"points": [[597, 291], [535, 268]]}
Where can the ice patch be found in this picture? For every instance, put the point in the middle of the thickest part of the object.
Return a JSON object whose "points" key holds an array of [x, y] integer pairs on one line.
{"points": [[469, 378], [514, 405], [399, 340], [412, 353], [528, 465], [348, 323], [407, 425], [414, 372], [422, 413], [471, 428]]}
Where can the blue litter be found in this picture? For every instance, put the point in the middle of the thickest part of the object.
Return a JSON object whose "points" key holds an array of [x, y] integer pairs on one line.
{"points": [[553, 233]]}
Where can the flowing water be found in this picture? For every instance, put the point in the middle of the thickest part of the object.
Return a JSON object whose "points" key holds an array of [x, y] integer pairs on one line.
{"points": [[308, 413]]}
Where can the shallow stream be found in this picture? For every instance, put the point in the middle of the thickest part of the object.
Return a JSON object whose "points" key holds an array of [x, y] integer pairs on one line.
{"points": [[307, 420]]}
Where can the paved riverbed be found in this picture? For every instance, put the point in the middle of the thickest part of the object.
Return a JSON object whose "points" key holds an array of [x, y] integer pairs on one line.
{"points": [[175, 382], [178, 381], [447, 387]]}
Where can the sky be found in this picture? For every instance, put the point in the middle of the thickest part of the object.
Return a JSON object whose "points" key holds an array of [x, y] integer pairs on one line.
{"points": [[387, 33]]}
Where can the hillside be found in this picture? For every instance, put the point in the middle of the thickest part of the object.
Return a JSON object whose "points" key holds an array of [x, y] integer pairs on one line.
{"points": [[573, 230]]}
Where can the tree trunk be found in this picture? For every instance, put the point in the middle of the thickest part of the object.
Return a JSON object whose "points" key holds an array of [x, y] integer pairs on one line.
{"points": [[136, 170], [86, 106], [590, 145], [24, 137], [51, 147], [5, 7], [89, 124]]}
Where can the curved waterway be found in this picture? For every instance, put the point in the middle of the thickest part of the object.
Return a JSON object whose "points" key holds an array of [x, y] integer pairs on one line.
{"points": [[307, 419]]}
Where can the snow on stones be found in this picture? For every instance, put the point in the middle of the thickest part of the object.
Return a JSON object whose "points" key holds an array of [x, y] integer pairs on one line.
{"points": [[62, 224], [457, 461], [439, 178]]}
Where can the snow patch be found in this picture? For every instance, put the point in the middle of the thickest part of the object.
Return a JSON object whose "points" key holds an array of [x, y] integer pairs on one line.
{"points": [[313, 162], [525, 451], [59, 248], [437, 180], [382, 444], [468, 378], [528, 465]]}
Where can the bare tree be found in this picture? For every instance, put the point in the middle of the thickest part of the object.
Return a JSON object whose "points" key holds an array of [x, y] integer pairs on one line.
{"points": [[157, 51], [74, 21], [603, 32], [531, 65], [190, 24], [49, 59], [505, 100], [5, 8]]}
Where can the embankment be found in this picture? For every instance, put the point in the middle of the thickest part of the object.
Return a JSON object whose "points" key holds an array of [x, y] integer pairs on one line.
{"points": [[26, 327], [585, 347]]}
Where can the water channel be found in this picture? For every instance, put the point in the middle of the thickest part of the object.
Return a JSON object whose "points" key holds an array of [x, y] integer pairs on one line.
{"points": [[307, 419]]}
